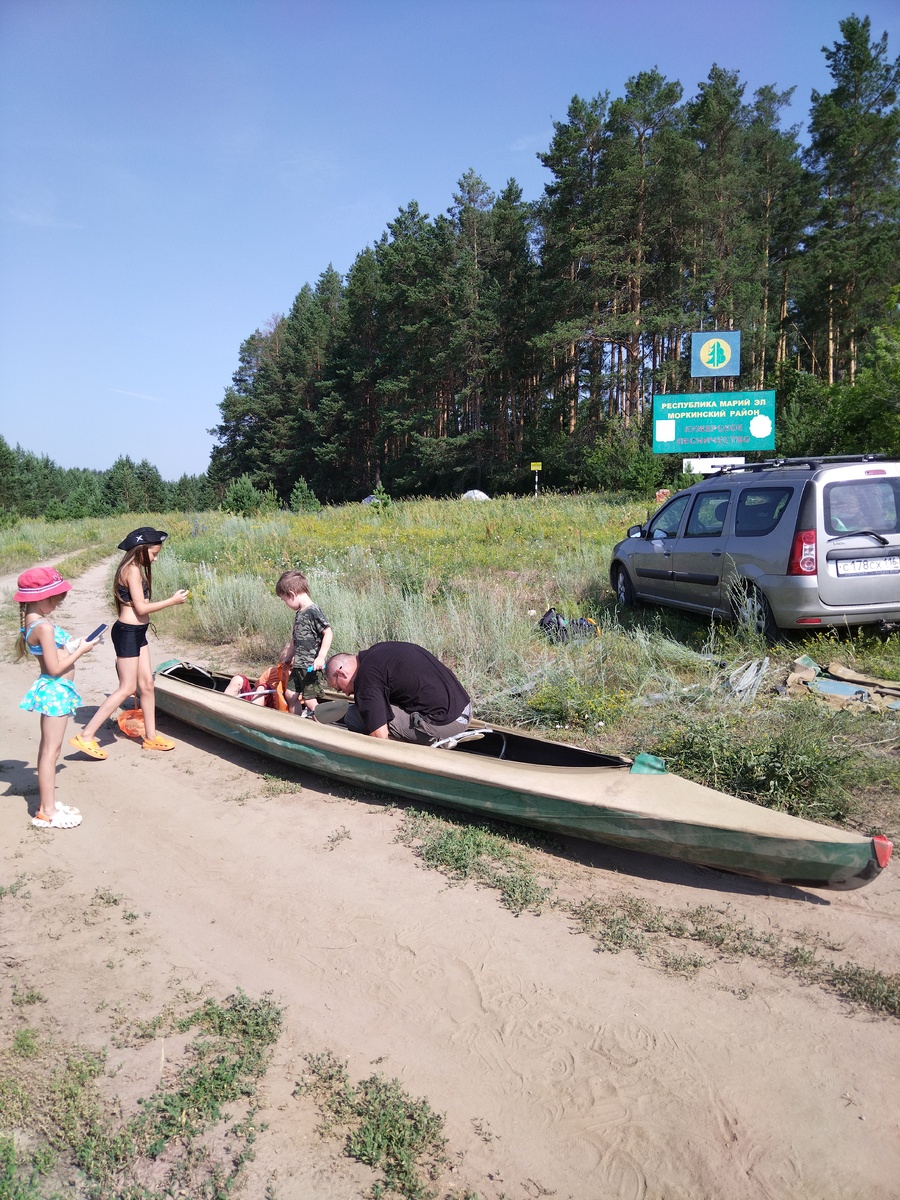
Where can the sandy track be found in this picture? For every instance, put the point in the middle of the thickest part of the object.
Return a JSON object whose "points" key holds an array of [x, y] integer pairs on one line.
{"points": [[561, 1070]]}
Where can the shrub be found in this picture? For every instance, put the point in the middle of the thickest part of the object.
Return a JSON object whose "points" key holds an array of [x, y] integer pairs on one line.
{"points": [[269, 502], [242, 497], [577, 703], [381, 501], [793, 767], [303, 499]]}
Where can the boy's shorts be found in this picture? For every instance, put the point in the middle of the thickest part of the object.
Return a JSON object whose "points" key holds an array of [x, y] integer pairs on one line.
{"points": [[310, 685]]}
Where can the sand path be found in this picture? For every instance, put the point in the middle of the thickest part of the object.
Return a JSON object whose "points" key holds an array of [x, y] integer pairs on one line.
{"points": [[562, 1071]]}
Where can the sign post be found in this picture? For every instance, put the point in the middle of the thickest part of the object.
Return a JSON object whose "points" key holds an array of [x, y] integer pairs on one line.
{"points": [[536, 467]]}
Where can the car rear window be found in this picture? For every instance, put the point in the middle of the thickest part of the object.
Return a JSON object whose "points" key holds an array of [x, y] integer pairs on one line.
{"points": [[760, 509], [855, 504]]}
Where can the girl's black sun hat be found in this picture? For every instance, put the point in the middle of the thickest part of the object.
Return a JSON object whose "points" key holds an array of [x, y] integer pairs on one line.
{"points": [[145, 536]]}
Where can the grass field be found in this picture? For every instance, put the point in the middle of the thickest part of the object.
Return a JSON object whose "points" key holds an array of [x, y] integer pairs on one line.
{"points": [[469, 580]]}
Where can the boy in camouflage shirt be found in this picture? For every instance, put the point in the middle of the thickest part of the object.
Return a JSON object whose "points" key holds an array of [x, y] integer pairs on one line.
{"points": [[309, 644]]}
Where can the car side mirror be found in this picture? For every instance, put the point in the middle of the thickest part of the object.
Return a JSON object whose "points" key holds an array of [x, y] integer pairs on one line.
{"points": [[635, 531]]}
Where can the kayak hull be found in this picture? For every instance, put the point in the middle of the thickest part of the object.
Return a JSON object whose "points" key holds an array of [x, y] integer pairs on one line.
{"points": [[507, 775]]}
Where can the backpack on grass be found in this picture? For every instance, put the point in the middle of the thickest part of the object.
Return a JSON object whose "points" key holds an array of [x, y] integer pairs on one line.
{"points": [[554, 626], [558, 629]]}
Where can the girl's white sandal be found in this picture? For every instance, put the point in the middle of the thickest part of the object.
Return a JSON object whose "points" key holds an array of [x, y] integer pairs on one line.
{"points": [[61, 820]]}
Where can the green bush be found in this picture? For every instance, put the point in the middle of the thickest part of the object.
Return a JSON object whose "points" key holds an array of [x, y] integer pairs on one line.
{"points": [[242, 497], [788, 763], [577, 703], [303, 499], [269, 502], [381, 501]]}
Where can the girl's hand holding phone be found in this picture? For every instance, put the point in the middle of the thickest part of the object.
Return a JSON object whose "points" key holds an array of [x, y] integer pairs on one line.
{"points": [[180, 596]]}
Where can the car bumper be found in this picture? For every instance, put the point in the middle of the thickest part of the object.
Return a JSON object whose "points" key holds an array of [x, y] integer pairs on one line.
{"points": [[795, 602]]}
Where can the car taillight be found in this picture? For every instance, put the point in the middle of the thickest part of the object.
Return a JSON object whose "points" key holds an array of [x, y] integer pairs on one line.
{"points": [[803, 553]]}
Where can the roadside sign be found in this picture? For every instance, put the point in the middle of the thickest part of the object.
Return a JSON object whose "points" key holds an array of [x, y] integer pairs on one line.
{"points": [[536, 467], [715, 354], [723, 422]]}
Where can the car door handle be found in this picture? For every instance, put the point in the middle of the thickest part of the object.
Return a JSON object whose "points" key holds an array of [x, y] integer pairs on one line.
{"points": [[716, 553]]}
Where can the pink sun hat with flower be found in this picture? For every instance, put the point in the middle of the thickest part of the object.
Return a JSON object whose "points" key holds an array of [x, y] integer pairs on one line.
{"points": [[39, 584]]}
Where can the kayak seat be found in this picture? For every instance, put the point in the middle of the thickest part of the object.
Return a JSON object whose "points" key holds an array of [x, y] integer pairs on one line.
{"points": [[467, 735], [475, 735], [191, 673]]}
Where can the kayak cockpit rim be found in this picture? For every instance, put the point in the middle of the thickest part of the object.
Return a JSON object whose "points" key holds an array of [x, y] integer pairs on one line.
{"points": [[487, 741]]}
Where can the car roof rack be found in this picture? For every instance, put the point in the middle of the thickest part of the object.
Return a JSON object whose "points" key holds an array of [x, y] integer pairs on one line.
{"points": [[813, 462]]}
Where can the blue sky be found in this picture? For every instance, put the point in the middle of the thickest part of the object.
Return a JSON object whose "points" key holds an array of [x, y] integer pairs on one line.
{"points": [[173, 171]]}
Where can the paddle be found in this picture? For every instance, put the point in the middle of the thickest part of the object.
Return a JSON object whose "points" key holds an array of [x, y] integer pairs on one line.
{"points": [[329, 712]]}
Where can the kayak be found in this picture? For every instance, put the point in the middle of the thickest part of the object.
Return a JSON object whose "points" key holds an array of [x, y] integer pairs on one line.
{"points": [[508, 775]]}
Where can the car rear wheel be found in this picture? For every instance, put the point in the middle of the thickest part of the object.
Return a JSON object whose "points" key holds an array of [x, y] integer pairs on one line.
{"points": [[755, 612], [623, 587]]}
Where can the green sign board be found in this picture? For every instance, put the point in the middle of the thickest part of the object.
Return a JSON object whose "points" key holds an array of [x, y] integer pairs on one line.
{"points": [[723, 422]]}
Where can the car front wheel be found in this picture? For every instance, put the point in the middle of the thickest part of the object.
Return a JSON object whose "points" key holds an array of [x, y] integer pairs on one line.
{"points": [[623, 588]]}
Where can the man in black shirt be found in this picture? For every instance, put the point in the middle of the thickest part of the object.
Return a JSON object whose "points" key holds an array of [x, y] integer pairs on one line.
{"points": [[400, 691]]}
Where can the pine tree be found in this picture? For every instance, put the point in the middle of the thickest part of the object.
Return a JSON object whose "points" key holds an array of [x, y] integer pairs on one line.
{"points": [[348, 453], [237, 434], [645, 209], [574, 250], [778, 202], [854, 244]]}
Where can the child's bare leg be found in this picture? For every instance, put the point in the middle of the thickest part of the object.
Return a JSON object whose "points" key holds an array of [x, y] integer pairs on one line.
{"points": [[53, 730], [126, 669], [147, 693]]}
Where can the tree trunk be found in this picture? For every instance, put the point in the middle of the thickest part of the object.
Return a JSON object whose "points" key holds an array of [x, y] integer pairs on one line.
{"points": [[781, 351]]}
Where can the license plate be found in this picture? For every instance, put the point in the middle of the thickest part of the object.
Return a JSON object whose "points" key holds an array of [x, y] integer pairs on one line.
{"points": [[869, 566]]}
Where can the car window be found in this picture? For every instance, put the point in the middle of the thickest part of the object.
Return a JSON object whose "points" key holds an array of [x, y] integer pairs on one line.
{"points": [[862, 504], [759, 510], [668, 519], [708, 515]]}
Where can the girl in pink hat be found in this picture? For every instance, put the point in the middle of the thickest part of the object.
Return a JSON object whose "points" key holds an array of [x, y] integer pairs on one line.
{"points": [[54, 695]]}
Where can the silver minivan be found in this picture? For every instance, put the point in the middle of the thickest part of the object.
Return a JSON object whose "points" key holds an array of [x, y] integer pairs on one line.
{"points": [[786, 544]]}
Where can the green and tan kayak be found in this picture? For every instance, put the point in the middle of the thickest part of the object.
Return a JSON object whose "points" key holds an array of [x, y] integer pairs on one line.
{"points": [[509, 775]]}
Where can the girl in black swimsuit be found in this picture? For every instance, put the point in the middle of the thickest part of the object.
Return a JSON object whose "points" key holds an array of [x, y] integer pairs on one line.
{"points": [[132, 592]]}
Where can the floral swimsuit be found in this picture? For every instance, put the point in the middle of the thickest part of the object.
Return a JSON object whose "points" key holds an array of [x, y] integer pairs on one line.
{"points": [[51, 695]]}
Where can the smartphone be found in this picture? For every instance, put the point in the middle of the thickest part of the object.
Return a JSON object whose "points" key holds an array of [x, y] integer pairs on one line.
{"points": [[90, 637]]}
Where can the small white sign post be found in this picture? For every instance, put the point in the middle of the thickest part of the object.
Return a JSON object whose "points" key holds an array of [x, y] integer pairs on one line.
{"points": [[537, 468]]}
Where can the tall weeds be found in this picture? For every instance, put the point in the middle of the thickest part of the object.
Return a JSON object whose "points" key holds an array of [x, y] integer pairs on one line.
{"points": [[469, 580]]}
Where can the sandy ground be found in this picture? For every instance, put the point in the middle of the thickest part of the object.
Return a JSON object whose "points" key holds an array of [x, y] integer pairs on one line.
{"points": [[562, 1071]]}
